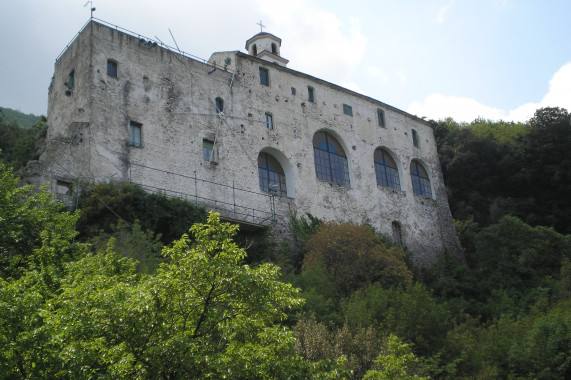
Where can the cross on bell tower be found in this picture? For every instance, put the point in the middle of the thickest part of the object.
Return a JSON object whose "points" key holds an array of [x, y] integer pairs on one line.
{"points": [[261, 26]]}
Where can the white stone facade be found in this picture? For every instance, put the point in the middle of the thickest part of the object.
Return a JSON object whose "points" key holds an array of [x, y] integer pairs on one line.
{"points": [[170, 98]]}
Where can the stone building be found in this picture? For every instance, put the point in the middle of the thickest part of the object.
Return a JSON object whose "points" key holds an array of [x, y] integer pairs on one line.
{"points": [[242, 134]]}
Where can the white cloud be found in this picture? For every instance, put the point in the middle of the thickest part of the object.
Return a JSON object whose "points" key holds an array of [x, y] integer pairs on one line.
{"points": [[378, 74], [438, 106], [441, 15], [322, 43], [353, 87]]}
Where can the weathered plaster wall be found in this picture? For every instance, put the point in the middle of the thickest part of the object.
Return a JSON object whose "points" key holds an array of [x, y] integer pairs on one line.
{"points": [[173, 97]]}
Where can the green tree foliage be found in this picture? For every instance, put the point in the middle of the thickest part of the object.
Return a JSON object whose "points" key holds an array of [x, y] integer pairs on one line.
{"points": [[18, 145], [320, 292], [513, 265], [355, 257], [131, 241], [547, 166], [496, 168], [315, 342], [103, 205], [535, 346], [33, 228], [412, 314], [204, 314], [479, 171], [396, 361], [500, 131], [301, 230], [25, 120]]}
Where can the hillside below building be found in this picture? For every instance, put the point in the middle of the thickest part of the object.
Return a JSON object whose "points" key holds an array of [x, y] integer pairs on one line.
{"points": [[243, 135]]}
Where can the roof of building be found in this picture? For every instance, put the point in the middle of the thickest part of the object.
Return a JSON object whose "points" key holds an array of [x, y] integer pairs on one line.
{"points": [[262, 35]]}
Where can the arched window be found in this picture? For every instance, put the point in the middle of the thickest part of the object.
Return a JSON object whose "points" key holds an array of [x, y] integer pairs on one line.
{"points": [[274, 49], [330, 160], [254, 50], [271, 174], [219, 105], [386, 170], [397, 233], [420, 181]]}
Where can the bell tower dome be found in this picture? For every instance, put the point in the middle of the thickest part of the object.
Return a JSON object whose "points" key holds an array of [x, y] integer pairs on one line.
{"points": [[266, 46]]}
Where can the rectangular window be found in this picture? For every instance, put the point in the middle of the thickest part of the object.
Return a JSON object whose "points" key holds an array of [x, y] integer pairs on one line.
{"points": [[311, 94], [71, 79], [112, 68], [264, 76], [293, 91], [347, 110], [135, 134], [381, 118], [269, 121], [397, 234], [208, 150], [415, 138]]}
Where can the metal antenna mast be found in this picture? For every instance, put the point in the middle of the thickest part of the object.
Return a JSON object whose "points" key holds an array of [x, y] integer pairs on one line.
{"points": [[92, 8]]}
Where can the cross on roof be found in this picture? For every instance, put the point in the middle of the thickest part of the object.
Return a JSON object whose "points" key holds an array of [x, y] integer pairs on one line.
{"points": [[261, 25]]}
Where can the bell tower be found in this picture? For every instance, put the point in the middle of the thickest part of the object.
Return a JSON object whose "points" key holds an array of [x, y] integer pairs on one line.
{"points": [[266, 46]]}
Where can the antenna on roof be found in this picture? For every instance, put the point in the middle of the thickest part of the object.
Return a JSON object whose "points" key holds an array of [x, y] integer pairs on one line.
{"points": [[92, 8]]}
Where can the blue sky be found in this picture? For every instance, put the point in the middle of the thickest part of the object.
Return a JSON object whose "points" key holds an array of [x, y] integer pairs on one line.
{"points": [[497, 59]]}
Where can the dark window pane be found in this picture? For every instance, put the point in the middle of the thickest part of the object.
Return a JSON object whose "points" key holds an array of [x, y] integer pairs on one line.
{"points": [[264, 76], [112, 68]]}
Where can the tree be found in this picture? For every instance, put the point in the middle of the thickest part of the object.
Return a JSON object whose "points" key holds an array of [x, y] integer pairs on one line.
{"points": [[354, 257], [204, 314], [396, 361], [548, 169], [34, 230], [412, 314], [18, 145], [103, 205]]}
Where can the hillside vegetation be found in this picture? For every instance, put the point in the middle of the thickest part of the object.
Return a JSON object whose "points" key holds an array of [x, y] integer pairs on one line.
{"points": [[23, 120], [137, 285]]}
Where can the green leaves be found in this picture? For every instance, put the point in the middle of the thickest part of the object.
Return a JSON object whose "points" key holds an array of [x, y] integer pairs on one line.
{"points": [[204, 314]]}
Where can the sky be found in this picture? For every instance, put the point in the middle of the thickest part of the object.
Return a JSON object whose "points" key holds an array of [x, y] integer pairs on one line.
{"points": [[465, 59]]}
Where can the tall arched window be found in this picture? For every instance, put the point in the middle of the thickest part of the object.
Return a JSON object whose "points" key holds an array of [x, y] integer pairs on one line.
{"points": [[271, 174], [330, 160], [274, 49], [397, 233], [219, 105], [386, 170], [420, 181]]}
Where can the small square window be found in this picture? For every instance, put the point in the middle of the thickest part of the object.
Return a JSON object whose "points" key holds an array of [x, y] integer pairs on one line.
{"points": [[135, 134], [311, 94], [112, 68], [71, 79], [381, 118], [264, 76], [347, 110], [293, 91], [208, 150], [269, 121], [64, 188]]}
